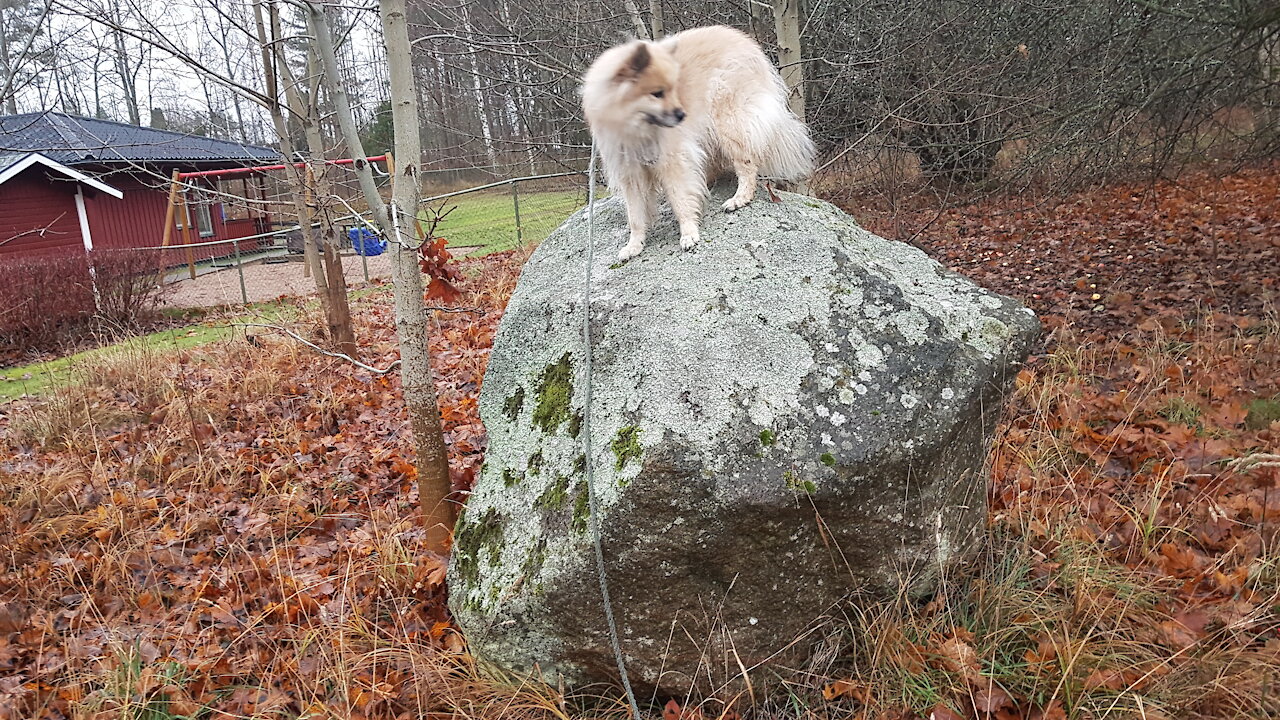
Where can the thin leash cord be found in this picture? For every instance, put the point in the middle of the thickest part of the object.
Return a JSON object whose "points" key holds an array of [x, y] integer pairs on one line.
{"points": [[594, 506]]}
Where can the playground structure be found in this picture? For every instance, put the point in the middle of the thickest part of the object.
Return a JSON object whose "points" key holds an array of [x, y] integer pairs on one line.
{"points": [[206, 203], [254, 217]]}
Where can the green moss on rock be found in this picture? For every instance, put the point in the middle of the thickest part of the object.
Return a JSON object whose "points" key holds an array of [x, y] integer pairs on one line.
{"points": [[795, 483], [581, 511], [767, 438], [534, 559], [827, 459], [534, 464], [510, 478], [555, 496], [471, 538], [626, 445], [555, 391], [513, 405]]}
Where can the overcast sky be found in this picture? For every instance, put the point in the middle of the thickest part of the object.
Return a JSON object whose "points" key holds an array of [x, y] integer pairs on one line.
{"points": [[80, 72]]}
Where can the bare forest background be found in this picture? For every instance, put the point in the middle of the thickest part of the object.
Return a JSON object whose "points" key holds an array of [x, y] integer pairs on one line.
{"points": [[1002, 94]]}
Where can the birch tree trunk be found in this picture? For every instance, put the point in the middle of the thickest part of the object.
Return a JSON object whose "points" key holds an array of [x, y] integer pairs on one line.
{"points": [[482, 107], [655, 19], [225, 46], [398, 222], [302, 186], [786, 20], [128, 75], [637, 20], [9, 97], [338, 309], [270, 61]]}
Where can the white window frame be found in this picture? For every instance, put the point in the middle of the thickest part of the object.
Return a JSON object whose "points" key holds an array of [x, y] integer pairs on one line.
{"points": [[202, 219]]}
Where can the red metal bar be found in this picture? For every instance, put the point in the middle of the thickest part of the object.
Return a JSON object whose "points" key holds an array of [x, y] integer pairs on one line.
{"points": [[264, 168]]}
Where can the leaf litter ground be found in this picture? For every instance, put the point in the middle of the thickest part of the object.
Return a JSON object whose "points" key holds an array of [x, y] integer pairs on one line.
{"points": [[228, 531]]}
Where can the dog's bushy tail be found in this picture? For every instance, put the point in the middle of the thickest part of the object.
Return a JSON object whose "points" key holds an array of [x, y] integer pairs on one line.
{"points": [[789, 153], [782, 145]]}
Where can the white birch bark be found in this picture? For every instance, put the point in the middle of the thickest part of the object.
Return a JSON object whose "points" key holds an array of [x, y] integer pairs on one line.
{"points": [[398, 222]]}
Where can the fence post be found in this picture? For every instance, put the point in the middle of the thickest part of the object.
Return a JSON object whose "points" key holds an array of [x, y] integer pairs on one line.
{"points": [[186, 233], [515, 198], [244, 294], [169, 215], [364, 252]]}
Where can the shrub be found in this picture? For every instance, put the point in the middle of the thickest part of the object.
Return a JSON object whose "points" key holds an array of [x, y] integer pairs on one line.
{"points": [[43, 295], [50, 301], [128, 289]]}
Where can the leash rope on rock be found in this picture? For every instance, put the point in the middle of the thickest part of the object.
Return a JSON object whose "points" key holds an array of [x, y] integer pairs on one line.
{"points": [[593, 504]]}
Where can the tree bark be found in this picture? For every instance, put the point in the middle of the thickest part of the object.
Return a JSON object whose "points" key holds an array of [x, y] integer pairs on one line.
{"points": [[242, 132], [298, 109], [655, 19], [9, 97], [337, 309], [398, 222], [786, 20], [297, 181], [637, 20], [482, 106], [128, 80]]}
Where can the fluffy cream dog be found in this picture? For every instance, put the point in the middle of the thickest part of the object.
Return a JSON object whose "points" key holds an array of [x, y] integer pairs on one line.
{"points": [[675, 114]]}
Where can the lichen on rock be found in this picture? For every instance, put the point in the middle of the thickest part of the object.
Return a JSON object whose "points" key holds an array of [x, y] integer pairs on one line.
{"points": [[792, 367]]}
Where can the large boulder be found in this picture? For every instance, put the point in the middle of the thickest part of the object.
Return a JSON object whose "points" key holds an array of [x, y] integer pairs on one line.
{"points": [[794, 411]]}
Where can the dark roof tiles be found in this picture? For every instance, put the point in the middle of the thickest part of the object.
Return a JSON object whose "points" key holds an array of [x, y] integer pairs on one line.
{"points": [[8, 159], [75, 140]]}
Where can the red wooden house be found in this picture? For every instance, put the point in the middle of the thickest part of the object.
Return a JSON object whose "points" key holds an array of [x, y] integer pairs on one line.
{"points": [[69, 182]]}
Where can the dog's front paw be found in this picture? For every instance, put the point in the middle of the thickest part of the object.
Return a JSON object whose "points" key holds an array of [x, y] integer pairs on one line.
{"points": [[735, 203], [689, 241], [629, 251]]}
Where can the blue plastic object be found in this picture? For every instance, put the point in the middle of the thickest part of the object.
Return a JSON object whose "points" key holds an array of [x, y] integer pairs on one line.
{"points": [[365, 242]]}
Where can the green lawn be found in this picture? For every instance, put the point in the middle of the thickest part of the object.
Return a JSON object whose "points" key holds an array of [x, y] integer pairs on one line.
{"points": [[487, 219], [39, 378]]}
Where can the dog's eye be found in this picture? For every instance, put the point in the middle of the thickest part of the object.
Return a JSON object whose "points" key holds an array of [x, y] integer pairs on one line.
{"points": [[658, 93]]}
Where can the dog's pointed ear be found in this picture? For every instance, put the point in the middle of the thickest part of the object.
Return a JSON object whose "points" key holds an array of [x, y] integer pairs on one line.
{"points": [[636, 64], [639, 59]]}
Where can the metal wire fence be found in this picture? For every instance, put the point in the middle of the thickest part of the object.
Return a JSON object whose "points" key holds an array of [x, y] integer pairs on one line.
{"points": [[477, 220], [506, 214]]}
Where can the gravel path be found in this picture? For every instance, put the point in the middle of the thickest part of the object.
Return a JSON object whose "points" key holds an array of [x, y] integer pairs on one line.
{"points": [[264, 281]]}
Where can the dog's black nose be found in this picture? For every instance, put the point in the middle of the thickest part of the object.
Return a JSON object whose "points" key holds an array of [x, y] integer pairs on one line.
{"points": [[679, 114]]}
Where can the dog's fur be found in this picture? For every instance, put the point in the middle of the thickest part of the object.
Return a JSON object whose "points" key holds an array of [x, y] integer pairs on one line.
{"points": [[676, 114]]}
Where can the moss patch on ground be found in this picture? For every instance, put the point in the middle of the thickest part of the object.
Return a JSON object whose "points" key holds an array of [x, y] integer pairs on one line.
{"points": [[1262, 412]]}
